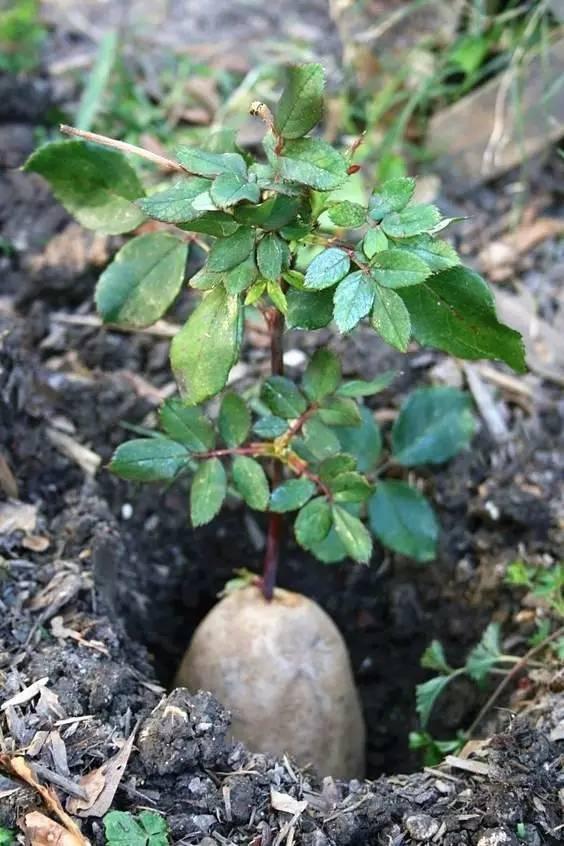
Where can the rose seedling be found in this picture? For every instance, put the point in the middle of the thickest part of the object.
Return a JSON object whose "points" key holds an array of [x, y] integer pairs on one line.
{"points": [[281, 236]]}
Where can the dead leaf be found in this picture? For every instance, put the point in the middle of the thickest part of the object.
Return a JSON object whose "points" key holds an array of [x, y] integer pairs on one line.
{"points": [[18, 767], [43, 831], [16, 516], [101, 784]]}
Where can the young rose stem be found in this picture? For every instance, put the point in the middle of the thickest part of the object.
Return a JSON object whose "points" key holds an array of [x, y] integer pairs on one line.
{"points": [[275, 322]]}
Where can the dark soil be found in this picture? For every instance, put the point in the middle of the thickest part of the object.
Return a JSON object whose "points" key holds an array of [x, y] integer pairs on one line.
{"points": [[123, 570]]}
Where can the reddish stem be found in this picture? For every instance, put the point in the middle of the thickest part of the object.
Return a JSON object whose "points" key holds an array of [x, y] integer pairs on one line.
{"points": [[275, 323]]}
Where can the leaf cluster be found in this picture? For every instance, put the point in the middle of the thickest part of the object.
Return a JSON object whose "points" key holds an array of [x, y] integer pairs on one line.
{"points": [[329, 446]]}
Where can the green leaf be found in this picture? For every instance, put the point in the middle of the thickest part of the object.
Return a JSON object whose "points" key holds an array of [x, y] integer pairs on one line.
{"points": [[96, 186], [7, 837], [281, 396], [335, 465], [234, 420], [433, 425], [330, 550], [398, 269], [231, 251], [374, 242], [122, 829], [434, 658], [255, 292], [347, 214], [216, 223], [403, 520], [294, 278], [270, 427], [322, 375], [187, 425], [250, 481], [353, 534], [340, 411], [437, 254], [411, 221], [206, 163], [426, 695], [454, 311], [391, 319], [309, 309], [208, 490], [155, 826], [301, 104], [207, 346], [485, 655], [291, 495], [313, 522], [206, 279], [272, 255], [277, 296], [240, 277], [353, 300], [393, 196], [364, 442], [312, 162], [319, 439], [326, 269], [98, 78], [228, 189], [359, 388], [175, 204], [273, 213], [143, 280], [350, 487], [149, 460]]}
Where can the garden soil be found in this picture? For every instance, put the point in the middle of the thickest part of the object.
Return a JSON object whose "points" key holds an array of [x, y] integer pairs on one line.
{"points": [[102, 582]]}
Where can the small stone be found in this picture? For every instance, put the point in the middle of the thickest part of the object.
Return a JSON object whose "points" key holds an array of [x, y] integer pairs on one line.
{"points": [[422, 826], [497, 837], [294, 358], [204, 822]]}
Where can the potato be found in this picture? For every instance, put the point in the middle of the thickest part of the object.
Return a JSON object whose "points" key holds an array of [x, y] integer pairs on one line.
{"points": [[283, 670]]}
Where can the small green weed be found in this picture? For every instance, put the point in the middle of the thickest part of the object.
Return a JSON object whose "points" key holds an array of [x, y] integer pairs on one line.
{"points": [[21, 36], [145, 829]]}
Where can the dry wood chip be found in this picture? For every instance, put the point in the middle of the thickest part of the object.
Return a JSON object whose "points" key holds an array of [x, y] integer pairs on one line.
{"points": [[58, 752], [26, 694], [470, 766], [286, 803], [61, 631], [36, 543], [8, 481], [63, 587], [43, 831], [101, 784], [16, 516], [489, 407], [19, 768], [86, 458], [48, 705], [499, 258]]}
